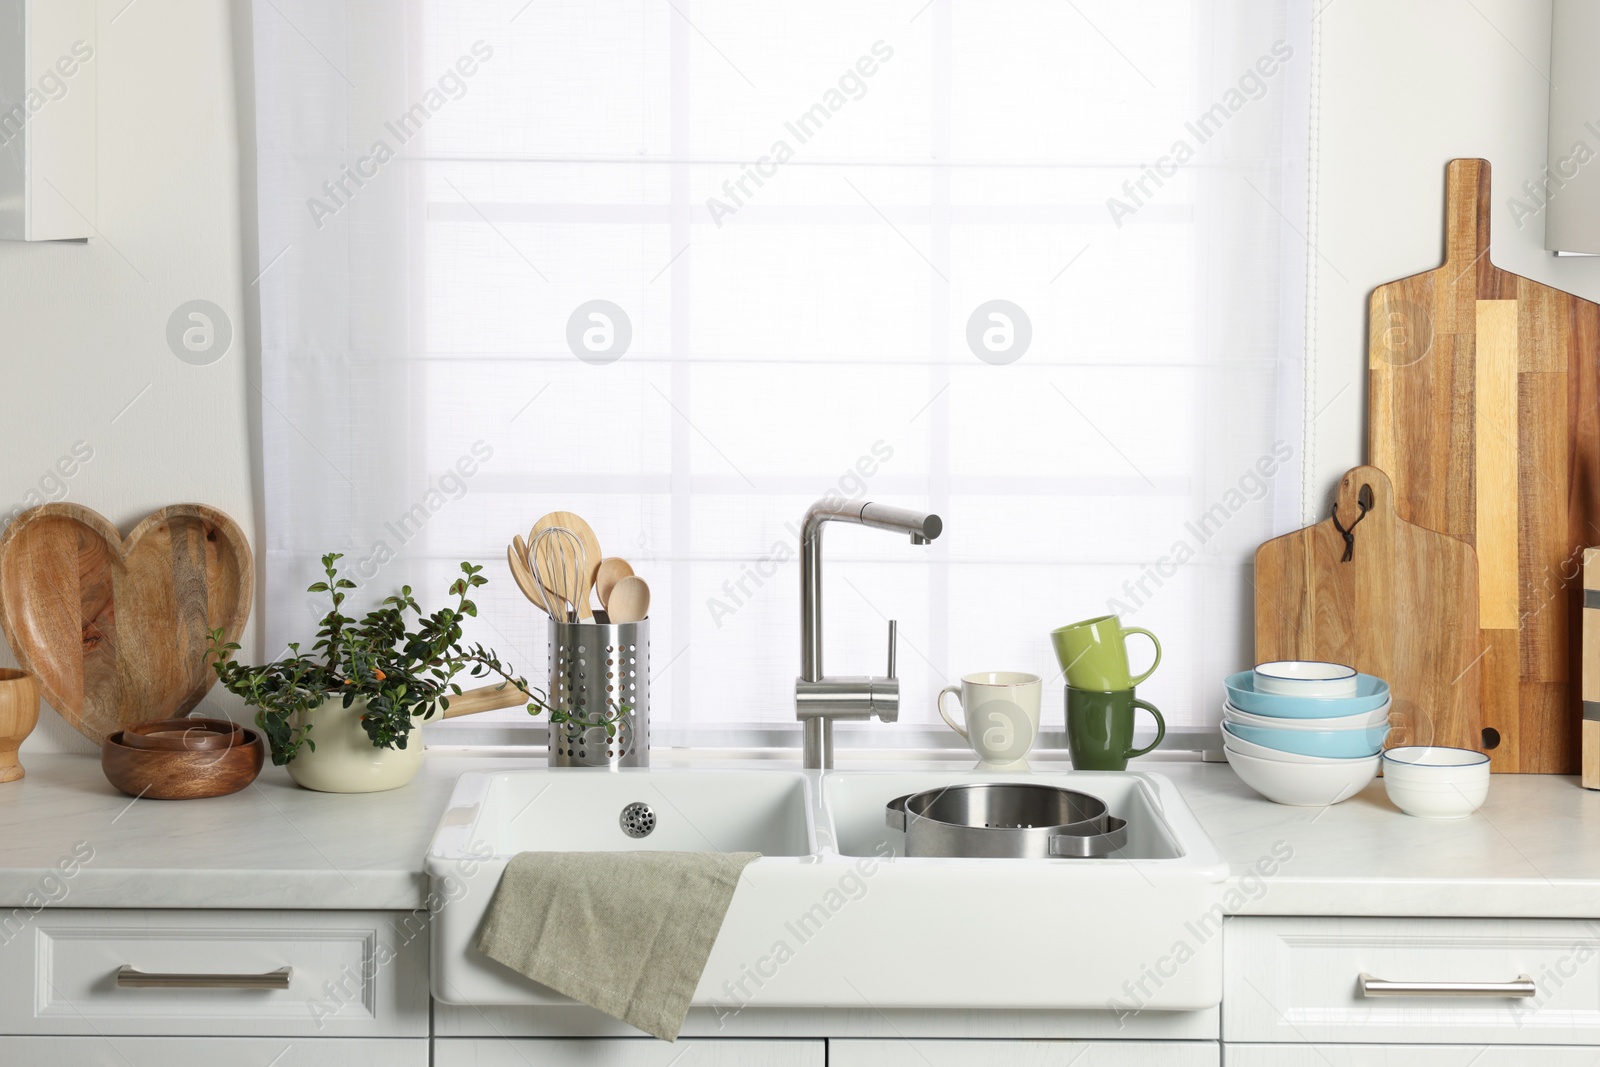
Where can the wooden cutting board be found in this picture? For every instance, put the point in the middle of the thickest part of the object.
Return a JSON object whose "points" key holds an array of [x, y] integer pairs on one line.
{"points": [[117, 630], [1403, 607], [1485, 410]]}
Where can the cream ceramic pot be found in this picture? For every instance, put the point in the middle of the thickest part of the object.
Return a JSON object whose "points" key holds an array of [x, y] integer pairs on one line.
{"points": [[345, 760]]}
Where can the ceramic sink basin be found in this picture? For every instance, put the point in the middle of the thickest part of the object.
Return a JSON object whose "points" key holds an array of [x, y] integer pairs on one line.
{"points": [[834, 915]]}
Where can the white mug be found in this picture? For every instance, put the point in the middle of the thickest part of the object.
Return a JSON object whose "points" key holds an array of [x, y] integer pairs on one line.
{"points": [[1001, 712]]}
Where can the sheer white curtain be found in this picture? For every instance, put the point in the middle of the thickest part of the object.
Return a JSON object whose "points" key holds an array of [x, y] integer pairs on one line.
{"points": [[684, 266]]}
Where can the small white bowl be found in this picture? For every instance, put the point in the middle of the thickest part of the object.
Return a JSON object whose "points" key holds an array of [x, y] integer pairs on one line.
{"points": [[1305, 678], [1436, 783], [1361, 720], [1234, 743], [1304, 785]]}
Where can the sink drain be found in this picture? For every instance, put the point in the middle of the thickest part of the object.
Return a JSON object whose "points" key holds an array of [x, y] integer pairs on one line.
{"points": [[637, 819]]}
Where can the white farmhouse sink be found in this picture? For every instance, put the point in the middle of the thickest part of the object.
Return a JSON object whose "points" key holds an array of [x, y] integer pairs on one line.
{"points": [[835, 916]]}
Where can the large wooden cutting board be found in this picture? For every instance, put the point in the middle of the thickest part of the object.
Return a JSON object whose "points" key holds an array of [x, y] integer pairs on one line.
{"points": [[1403, 607], [1485, 410], [117, 630]]}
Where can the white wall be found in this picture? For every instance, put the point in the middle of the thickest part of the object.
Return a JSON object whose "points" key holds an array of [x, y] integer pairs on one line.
{"points": [[1407, 85], [83, 325]]}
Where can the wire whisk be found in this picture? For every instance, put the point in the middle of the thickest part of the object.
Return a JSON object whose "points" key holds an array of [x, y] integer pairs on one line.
{"points": [[556, 558]]}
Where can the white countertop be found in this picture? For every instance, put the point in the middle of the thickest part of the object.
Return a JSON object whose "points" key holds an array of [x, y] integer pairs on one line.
{"points": [[1532, 851]]}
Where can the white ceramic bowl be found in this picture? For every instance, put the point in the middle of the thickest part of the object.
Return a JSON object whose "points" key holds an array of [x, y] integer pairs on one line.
{"points": [[1361, 720], [1305, 678], [1436, 783], [1304, 784], [1233, 743]]}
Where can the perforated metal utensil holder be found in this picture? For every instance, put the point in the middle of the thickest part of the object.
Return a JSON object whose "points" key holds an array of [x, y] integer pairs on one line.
{"points": [[597, 669]]}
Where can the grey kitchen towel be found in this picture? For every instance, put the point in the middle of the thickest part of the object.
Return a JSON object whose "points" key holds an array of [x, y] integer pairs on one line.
{"points": [[626, 932]]}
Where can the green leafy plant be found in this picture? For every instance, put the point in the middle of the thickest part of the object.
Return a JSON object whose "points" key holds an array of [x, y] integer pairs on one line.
{"points": [[402, 662]]}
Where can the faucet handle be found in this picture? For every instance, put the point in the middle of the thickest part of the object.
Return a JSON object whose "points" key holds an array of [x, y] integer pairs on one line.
{"points": [[894, 642]]}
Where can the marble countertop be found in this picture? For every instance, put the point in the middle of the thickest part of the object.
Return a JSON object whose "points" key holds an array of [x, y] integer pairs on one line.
{"points": [[1533, 850]]}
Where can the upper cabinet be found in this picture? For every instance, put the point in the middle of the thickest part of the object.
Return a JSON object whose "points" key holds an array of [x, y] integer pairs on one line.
{"points": [[47, 119]]}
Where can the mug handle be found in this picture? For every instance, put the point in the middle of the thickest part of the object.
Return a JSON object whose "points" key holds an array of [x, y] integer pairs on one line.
{"points": [[1161, 726], [1153, 641], [938, 702]]}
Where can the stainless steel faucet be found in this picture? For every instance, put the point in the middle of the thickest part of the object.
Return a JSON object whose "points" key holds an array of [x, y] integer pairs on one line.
{"points": [[818, 699]]}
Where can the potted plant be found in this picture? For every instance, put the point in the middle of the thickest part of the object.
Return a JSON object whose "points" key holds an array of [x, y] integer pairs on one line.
{"points": [[340, 717]]}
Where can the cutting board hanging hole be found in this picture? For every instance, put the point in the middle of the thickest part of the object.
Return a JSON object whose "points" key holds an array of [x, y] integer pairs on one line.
{"points": [[1491, 738]]}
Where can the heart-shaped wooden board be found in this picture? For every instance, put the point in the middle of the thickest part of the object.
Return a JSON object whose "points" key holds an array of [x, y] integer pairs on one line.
{"points": [[117, 630]]}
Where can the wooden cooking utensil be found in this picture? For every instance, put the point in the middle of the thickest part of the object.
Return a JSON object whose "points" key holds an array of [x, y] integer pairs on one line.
{"points": [[521, 575], [1485, 410], [117, 630], [19, 713], [591, 552], [612, 570], [630, 600], [1403, 607], [154, 774], [183, 735]]}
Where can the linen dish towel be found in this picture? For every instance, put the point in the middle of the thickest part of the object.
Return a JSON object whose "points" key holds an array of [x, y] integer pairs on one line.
{"points": [[625, 932]]}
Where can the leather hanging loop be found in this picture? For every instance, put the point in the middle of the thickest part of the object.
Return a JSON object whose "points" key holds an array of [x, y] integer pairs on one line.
{"points": [[1364, 502]]}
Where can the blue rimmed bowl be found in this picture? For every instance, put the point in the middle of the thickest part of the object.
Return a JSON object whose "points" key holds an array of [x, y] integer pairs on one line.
{"points": [[1371, 693], [1327, 744]]}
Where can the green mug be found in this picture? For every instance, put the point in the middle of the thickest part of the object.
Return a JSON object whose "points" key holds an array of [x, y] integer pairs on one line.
{"points": [[1094, 654], [1100, 728]]}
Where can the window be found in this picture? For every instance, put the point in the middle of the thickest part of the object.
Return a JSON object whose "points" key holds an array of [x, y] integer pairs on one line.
{"points": [[684, 267]]}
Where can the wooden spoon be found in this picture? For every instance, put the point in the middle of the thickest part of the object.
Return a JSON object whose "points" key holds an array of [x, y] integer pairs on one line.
{"points": [[612, 570], [591, 552], [630, 600]]}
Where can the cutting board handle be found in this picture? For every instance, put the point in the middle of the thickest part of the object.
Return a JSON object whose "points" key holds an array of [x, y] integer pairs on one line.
{"points": [[1466, 206]]}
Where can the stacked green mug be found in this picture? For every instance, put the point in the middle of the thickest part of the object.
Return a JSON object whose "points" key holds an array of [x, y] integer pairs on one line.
{"points": [[1100, 692]]}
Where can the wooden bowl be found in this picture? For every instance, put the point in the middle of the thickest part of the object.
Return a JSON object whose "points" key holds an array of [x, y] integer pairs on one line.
{"points": [[183, 735], [19, 713], [157, 774]]}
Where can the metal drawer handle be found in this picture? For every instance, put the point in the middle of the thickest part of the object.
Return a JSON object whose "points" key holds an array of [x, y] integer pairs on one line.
{"points": [[1520, 988], [131, 978]]}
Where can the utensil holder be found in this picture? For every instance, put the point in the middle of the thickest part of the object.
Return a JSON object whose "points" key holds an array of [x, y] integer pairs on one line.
{"points": [[597, 669]]}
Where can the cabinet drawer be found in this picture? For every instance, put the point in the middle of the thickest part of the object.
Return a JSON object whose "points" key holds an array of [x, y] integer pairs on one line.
{"points": [[349, 974], [233, 1051], [1409, 1056], [1300, 980], [913, 1052], [627, 1052]]}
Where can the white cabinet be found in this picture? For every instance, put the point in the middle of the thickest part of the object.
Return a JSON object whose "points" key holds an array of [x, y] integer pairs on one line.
{"points": [[1408, 1056], [336, 974], [1300, 981], [211, 1052], [626, 1052], [47, 119], [911, 1052]]}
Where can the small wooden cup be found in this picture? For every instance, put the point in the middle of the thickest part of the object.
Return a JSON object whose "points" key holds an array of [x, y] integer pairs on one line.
{"points": [[183, 735], [157, 774], [19, 714]]}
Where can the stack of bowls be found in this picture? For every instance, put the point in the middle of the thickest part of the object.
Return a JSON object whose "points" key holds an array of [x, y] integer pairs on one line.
{"points": [[1305, 733]]}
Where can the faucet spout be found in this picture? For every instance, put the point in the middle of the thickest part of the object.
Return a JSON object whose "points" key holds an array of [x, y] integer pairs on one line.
{"points": [[818, 699]]}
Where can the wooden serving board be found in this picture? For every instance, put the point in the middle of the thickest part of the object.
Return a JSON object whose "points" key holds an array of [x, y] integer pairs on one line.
{"points": [[117, 630], [1404, 608], [1485, 410]]}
